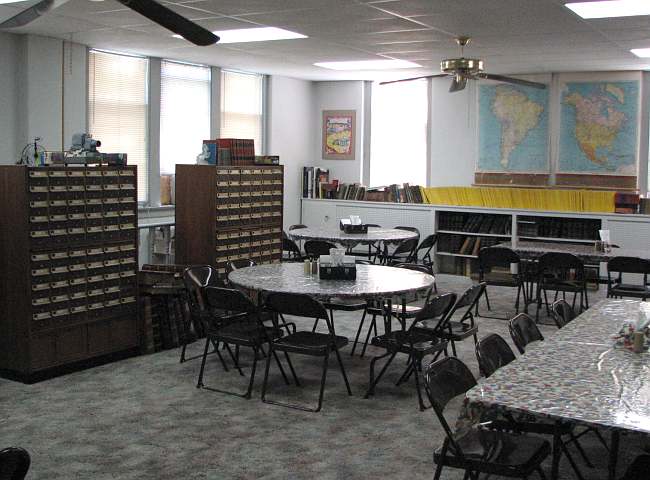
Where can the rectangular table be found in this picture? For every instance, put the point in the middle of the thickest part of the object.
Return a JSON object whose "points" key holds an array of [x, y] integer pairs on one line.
{"points": [[577, 375]]}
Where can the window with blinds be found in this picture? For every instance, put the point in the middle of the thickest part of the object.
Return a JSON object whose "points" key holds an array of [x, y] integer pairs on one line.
{"points": [[184, 113], [117, 108], [398, 137], [242, 106]]}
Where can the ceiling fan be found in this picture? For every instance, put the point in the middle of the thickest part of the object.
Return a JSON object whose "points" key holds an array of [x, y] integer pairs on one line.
{"points": [[149, 8], [463, 69]]}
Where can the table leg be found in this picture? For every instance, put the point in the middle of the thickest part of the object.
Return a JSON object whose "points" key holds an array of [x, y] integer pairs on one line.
{"points": [[613, 454], [555, 470], [387, 316]]}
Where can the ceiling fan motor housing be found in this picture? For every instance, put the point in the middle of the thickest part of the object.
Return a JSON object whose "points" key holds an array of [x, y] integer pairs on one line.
{"points": [[462, 66]]}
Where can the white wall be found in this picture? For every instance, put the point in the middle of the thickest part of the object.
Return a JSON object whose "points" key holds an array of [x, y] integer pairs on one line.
{"points": [[9, 60], [453, 127], [42, 92], [348, 95], [290, 121]]}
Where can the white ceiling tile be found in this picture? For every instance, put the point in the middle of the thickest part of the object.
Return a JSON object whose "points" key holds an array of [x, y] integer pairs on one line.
{"points": [[512, 36]]}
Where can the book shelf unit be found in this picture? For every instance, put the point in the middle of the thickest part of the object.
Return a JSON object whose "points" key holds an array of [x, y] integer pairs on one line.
{"points": [[461, 234], [627, 230], [68, 266], [228, 213]]}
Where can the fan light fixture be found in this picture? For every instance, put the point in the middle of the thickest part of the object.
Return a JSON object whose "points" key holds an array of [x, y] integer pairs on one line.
{"points": [[610, 8], [387, 64], [261, 34], [641, 52]]}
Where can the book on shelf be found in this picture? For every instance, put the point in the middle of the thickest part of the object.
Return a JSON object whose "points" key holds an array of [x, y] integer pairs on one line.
{"points": [[231, 151], [467, 246], [477, 246], [314, 180]]}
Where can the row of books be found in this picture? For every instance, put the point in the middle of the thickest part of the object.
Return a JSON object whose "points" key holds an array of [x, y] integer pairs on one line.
{"points": [[231, 151], [316, 183], [557, 227], [475, 223], [464, 245]]}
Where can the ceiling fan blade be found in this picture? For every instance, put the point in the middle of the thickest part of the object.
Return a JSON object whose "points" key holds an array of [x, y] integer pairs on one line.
{"points": [[171, 20], [516, 81], [29, 15], [458, 83], [413, 78]]}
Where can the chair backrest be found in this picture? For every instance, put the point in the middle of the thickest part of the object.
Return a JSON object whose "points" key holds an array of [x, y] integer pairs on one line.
{"points": [[233, 265], [427, 245], [490, 257], [524, 331], [562, 312], [316, 248], [559, 265], [229, 300], [290, 246], [415, 267], [405, 246], [492, 353], [14, 463], [299, 305], [621, 265], [444, 380], [436, 308], [297, 225], [195, 279]]}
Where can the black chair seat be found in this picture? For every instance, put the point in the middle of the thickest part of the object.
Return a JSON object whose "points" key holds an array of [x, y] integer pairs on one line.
{"points": [[309, 343], [419, 341], [497, 453], [247, 333], [458, 331], [345, 304], [563, 285], [501, 279], [627, 290]]}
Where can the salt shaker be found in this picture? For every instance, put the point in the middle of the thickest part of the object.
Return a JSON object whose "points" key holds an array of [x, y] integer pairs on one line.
{"points": [[639, 341]]}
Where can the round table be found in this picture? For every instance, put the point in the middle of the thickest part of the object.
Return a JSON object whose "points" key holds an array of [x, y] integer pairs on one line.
{"points": [[375, 234], [372, 281]]}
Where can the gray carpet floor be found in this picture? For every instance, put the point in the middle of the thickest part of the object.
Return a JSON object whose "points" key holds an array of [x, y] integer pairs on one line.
{"points": [[144, 418]]}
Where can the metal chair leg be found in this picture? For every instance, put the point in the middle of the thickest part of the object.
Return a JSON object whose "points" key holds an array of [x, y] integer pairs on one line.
{"points": [[581, 450], [356, 338], [417, 369], [345, 377], [293, 372], [572, 462], [373, 323], [374, 381], [199, 383]]}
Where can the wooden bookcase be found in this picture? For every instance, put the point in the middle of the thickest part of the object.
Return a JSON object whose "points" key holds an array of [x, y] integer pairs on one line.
{"points": [[228, 213], [68, 266]]}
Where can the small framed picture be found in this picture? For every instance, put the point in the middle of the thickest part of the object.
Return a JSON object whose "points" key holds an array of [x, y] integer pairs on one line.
{"points": [[338, 134]]}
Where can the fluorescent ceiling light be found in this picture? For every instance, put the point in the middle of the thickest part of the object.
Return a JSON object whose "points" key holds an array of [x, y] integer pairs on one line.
{"points": [[641, 52], [10, 1], [261, 34], [610, 8], [368, 65]]}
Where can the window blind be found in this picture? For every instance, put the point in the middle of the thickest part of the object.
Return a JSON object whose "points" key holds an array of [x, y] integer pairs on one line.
{"points": [[117, 108], [398, 140], [184, 113], [242, 107]]}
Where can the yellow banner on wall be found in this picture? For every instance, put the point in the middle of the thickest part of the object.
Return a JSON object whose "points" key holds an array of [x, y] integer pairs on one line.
{"points": [[518, 198]]}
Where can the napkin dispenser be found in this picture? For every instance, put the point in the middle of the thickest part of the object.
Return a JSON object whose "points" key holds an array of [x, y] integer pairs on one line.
{"points": [[329, 271], [349, 226]]}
